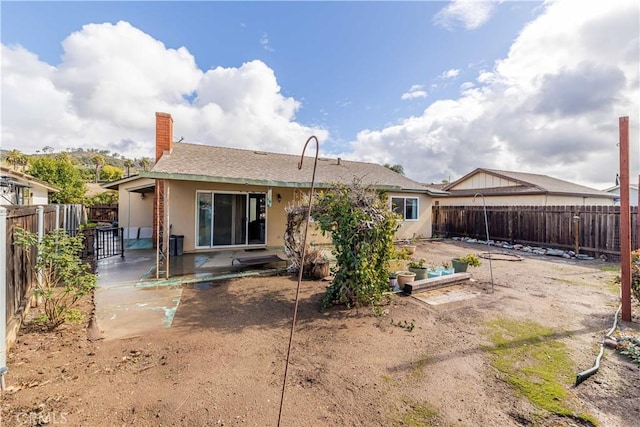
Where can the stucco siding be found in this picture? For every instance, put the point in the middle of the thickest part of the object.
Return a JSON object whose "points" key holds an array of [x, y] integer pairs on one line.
{"points": [[420, 227], [133, 210]]}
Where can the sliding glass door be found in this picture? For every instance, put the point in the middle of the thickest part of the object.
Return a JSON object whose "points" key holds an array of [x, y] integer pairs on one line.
{"points": [[230, 219]]}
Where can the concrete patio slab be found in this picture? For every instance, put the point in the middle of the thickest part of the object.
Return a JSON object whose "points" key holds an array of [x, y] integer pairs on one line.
{"points": [[130, 300]]}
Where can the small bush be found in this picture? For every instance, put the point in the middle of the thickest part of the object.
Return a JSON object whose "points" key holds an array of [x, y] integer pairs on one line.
{"points": [[65, 278], [472, 260]]}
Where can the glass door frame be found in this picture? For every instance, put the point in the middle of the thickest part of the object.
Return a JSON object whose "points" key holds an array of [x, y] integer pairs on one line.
{"points": [[247, 197]]}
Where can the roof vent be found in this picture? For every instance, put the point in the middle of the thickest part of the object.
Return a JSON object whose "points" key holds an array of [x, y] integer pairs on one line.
{"points": [[339, 161], [262, 153]]}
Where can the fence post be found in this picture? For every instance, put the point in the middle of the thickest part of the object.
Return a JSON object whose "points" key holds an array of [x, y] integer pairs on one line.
{"points": [[57, 217], [40, 213], [3, 298]]}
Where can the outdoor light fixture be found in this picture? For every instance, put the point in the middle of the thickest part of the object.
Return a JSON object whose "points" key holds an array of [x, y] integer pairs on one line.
{"points": [[142, 196], [279, 197]]}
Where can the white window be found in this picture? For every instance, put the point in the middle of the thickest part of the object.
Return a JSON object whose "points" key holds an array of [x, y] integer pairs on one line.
{"points": [[406, 207]]}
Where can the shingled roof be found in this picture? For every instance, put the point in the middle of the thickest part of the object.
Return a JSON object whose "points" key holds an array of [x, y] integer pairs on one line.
{"points": [[528, 183], [196, 162]]}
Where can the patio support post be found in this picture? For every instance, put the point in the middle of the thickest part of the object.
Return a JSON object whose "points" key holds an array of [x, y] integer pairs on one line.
{"points": [[166, 227], [625, 221]]}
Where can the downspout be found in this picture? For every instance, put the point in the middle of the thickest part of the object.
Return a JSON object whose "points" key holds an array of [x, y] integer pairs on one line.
{"points": [[3, 301]]}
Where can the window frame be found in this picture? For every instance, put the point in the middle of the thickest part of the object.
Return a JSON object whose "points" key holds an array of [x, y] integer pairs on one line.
{"points": [[404, 206]]}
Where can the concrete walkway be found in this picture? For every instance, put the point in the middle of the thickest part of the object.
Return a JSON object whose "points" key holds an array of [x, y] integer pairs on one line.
{"points": [[130, 301]]}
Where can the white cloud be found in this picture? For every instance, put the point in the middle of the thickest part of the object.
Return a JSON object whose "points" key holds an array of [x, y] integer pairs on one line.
{"points": [[264, 42], [449, 74], [550, 106], [114, 77], [469, 14], [416, 91]]}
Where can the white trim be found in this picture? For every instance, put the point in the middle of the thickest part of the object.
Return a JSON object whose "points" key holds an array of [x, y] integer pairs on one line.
{"points": [[404, 211]]}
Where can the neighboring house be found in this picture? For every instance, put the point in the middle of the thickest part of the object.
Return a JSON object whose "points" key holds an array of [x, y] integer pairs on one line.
{"points": [[506, 188], [18, 188], [220, 197], [633, 194]]}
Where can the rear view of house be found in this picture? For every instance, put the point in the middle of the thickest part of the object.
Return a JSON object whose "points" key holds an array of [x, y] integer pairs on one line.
{"points": [[219, 197]]}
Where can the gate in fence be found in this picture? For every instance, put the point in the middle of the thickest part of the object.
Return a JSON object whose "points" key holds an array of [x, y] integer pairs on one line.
{"points": [[109, 242], [101, 243]]}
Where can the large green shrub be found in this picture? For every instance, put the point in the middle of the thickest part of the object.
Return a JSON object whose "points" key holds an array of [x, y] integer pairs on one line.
{"points": [[65, 278], [362, 228]]}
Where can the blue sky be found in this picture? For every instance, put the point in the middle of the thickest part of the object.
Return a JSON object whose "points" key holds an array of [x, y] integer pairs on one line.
{"points": [[422, 84]]}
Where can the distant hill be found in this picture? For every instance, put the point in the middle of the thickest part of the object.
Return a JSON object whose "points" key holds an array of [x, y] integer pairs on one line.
{"points": [[82, 157]]}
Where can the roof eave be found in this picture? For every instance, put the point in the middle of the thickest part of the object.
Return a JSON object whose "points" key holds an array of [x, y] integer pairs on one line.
{"points": [[263, 182]]}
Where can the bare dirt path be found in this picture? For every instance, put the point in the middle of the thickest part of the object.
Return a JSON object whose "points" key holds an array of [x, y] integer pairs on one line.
{"points": [[222, 361]]}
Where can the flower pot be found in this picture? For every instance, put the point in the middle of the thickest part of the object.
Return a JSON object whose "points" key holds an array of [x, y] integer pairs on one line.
{"points": [[404, 277], [459, 266], [421, 273], [393, 280], [431, 273], [447, 271]]}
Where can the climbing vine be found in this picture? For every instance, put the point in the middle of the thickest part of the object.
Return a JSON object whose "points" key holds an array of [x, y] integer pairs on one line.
{"points": [[361, 227]]}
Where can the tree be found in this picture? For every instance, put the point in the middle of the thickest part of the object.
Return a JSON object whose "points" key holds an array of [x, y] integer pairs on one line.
{"points": [[145, 163], [65, 278], [97, 160], [110, 173], [128, 163], [48, 149], [396, 168], [61, 172], [15, 158]]}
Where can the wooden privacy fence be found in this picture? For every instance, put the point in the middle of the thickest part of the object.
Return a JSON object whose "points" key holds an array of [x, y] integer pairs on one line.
{"points": [[19, 278], [103, 213], [595, 229]]}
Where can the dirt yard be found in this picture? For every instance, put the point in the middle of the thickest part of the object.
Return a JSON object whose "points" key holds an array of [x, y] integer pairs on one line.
{"points": [[417, 364]]}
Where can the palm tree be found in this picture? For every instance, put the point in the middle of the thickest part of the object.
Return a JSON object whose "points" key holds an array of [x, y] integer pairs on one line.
{"points": [[145, 163], [128, 163], [98, 161], [16, 158]]}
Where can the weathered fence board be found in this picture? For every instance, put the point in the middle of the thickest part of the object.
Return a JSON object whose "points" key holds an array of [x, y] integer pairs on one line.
{"points": [[20, 276], [103, 213], [547, 226]]}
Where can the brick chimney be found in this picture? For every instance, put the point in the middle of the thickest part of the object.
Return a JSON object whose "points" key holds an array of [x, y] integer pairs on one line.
{"points": [[164, 134], [164, 143]]}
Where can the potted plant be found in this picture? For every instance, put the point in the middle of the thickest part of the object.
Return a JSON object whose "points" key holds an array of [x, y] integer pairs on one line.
{"points": [[446, 268], [460, 264], [404, 277], [418, 268]]}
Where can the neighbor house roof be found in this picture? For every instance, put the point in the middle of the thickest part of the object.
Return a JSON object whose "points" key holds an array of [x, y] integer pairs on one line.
{"points": [[525, 183], [195, 162], [616, 188], [28, 180]]}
